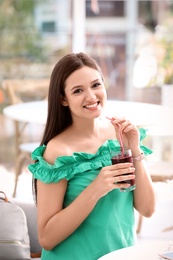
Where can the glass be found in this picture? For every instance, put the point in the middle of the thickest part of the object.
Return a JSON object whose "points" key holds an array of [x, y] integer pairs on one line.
{"points": [[122, 157]]}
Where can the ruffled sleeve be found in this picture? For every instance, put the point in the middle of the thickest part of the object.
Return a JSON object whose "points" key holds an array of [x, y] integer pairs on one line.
{"points": [[46, 172], [143, 134]]}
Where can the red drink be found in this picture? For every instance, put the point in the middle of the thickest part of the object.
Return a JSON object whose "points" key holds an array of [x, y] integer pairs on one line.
{"points": [[117, 158]]}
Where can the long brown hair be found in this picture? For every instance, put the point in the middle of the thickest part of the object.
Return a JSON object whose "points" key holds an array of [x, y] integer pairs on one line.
{"points": [[59, 116]]}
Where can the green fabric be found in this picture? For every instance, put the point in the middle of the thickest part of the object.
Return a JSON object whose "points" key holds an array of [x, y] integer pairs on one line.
{"points": [[110, 226]]}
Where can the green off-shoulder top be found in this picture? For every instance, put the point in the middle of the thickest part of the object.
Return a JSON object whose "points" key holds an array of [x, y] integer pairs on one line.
{"points": [[110, 226]]}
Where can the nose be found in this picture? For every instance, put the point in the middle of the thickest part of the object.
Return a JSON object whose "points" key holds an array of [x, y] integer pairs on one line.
{"points": [[90, 95]]}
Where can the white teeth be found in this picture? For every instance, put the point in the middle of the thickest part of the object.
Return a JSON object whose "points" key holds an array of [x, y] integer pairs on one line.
{"points": [[91, 106]]}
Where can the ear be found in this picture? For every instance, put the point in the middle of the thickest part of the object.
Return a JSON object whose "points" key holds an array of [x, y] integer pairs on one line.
{"points": [[64, 102]]}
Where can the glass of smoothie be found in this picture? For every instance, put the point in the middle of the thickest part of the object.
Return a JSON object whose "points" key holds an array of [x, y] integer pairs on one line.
{"points": [[123, 157]]}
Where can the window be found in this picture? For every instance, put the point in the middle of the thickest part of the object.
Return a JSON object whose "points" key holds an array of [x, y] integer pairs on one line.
{"points": [[49, 27], [107, 9]]}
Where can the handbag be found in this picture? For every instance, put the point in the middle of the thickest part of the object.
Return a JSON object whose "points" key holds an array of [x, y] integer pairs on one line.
{"points": [[14, 238]]}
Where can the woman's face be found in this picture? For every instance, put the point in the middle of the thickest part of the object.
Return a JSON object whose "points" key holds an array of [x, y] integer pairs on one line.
{"points": [[85, 94]]}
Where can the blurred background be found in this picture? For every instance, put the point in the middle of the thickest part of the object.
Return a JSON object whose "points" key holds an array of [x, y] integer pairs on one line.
{"points": [[128, 38], [132, 41]]}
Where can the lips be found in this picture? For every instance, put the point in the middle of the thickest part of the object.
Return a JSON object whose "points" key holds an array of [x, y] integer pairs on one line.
{"points": [[94, 105]]}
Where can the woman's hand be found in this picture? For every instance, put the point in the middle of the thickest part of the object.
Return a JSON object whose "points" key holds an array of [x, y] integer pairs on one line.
{"points": [[129, 132], [111, 177]]}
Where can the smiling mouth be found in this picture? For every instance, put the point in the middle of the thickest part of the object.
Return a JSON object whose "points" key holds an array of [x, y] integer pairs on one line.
{"points": [[92, 105]]}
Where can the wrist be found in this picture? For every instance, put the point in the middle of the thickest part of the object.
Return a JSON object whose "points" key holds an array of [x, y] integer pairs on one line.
{"points": [[136, 152], [140, 157]]}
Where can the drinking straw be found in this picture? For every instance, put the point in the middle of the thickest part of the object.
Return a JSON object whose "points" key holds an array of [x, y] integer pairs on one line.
{"points": [[120, 137]]}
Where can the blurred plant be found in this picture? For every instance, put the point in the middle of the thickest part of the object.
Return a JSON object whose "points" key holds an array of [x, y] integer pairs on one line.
{"points": [[18, 34], [164, 49]]}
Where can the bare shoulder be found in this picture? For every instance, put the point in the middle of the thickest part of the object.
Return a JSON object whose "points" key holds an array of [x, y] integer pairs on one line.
{"points": [[55, 148]]}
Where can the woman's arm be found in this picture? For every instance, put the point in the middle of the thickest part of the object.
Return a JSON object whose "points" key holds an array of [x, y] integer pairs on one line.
{"points": [[144, 194], [55, 223]]}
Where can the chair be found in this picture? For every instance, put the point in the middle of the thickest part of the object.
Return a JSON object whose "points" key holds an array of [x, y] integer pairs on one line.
{"points": [[18, 91], [160, 172], [30, 211]]}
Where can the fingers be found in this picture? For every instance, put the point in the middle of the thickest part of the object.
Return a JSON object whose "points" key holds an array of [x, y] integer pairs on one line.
{"points": [[119, 172], [121, 167], [114, 177], [123, 178], [124, 171], [125, 124], [122, 185], [120, 181]]}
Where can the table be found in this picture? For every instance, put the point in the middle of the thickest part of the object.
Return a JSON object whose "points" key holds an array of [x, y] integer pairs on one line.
{"points": [[145, 251], [143, 114], [28, 112], [22, 114]]}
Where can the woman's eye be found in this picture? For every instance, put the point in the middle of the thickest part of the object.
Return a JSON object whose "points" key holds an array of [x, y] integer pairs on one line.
{"points": [[77, 91], [96, 85]]}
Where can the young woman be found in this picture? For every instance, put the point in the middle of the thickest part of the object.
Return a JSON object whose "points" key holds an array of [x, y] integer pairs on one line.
{"points": [[82, 214]]}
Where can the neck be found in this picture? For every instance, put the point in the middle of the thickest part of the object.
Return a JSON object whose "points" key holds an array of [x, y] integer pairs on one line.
{"points": [[86, 127]]}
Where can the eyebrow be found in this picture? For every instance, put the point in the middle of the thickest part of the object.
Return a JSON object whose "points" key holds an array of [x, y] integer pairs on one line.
{"points": [[75, 87], [79, 86]]}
